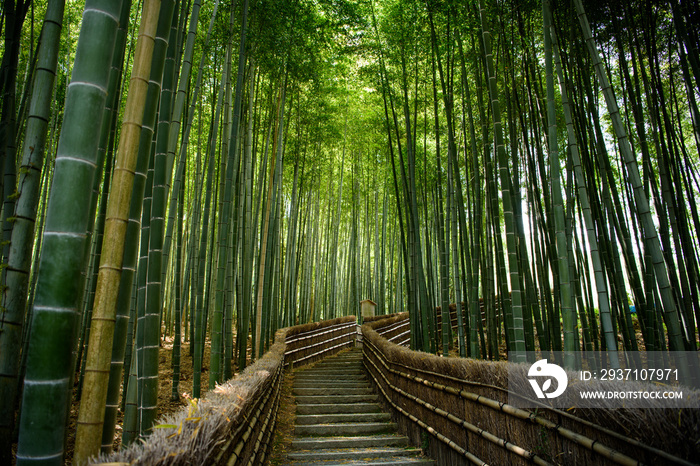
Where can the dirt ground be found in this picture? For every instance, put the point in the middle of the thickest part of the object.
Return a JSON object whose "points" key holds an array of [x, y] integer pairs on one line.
{"points": [[286, 417]]}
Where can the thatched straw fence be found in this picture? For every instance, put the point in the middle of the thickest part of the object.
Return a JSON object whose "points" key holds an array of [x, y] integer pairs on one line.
{"points": [[457, 410], [234, 423], [368, 319]]}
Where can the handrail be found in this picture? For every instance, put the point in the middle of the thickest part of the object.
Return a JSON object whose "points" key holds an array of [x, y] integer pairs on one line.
{"points": [[399, 324], [313, 333], [323, 335]]}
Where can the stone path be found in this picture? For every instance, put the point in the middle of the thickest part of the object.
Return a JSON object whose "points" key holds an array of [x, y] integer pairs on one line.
{"points": [[340, 422]]}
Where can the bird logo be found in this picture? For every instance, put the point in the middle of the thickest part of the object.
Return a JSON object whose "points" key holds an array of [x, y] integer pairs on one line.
{"points": [[551, 371]]}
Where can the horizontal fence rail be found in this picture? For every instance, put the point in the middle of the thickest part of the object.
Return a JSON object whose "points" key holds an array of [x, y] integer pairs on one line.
{"points": [[319, 339], [398, 332], [458, 406], [234, 423]]}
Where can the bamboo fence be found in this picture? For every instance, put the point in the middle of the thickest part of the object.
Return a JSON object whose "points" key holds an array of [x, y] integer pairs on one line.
{"points": [[457, 410]]}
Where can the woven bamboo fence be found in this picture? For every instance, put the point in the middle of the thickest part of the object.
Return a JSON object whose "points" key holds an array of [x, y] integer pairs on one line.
{"points": [[457, 410], [234, 423]]}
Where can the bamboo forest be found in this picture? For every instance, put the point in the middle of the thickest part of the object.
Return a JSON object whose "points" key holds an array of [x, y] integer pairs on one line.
{"points": [[184, 179]]}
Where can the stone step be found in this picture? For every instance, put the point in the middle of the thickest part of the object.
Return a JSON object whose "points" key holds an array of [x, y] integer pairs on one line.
{"points": [[323, 371], [350, 352], [331, 384], [335, 408], [339, 421], [354, 359], [298, 391], [337, 366], [341, 362], [342, 429], [351, 453], [339, 399], [338, 375], [308, 419], [367, 441], [393, 461], [330, 372], [338, 361], [336, 378]]}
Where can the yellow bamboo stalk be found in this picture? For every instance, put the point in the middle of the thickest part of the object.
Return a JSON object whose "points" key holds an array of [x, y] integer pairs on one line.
{"points": [[92, 404]]}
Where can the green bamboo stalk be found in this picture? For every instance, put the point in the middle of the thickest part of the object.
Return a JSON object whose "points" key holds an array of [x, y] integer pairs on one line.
{"points": [[232, 165], [130, 429], [475, 321], [148, 327], [289, 288], [56, 304], [381, 299], [247, 241], [100, 190], [333, 304], [442, 238], [175, 395], [14, 297], [452, 206], [202, 255], [13, 18], [130, 361], [179, 177], [517, 340], [262, 314]]}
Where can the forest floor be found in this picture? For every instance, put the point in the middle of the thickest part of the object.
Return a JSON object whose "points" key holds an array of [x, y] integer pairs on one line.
{"points": [[166, 404]]}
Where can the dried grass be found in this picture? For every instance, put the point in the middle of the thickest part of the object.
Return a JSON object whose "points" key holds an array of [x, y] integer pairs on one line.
{"points": [[191, 436], [368, 319]]}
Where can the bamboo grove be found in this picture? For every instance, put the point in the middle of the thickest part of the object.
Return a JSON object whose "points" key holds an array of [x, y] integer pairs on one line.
{"points": [[209, 172]]}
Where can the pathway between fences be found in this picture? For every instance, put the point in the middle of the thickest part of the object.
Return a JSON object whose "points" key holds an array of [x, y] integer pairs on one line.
{"points": [[339, 420]]}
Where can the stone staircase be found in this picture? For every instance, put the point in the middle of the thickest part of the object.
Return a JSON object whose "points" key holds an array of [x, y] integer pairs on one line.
{"points": [[339, 421]]}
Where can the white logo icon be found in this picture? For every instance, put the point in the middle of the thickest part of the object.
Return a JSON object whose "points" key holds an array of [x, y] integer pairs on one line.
{"points": [[544, 369]]}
